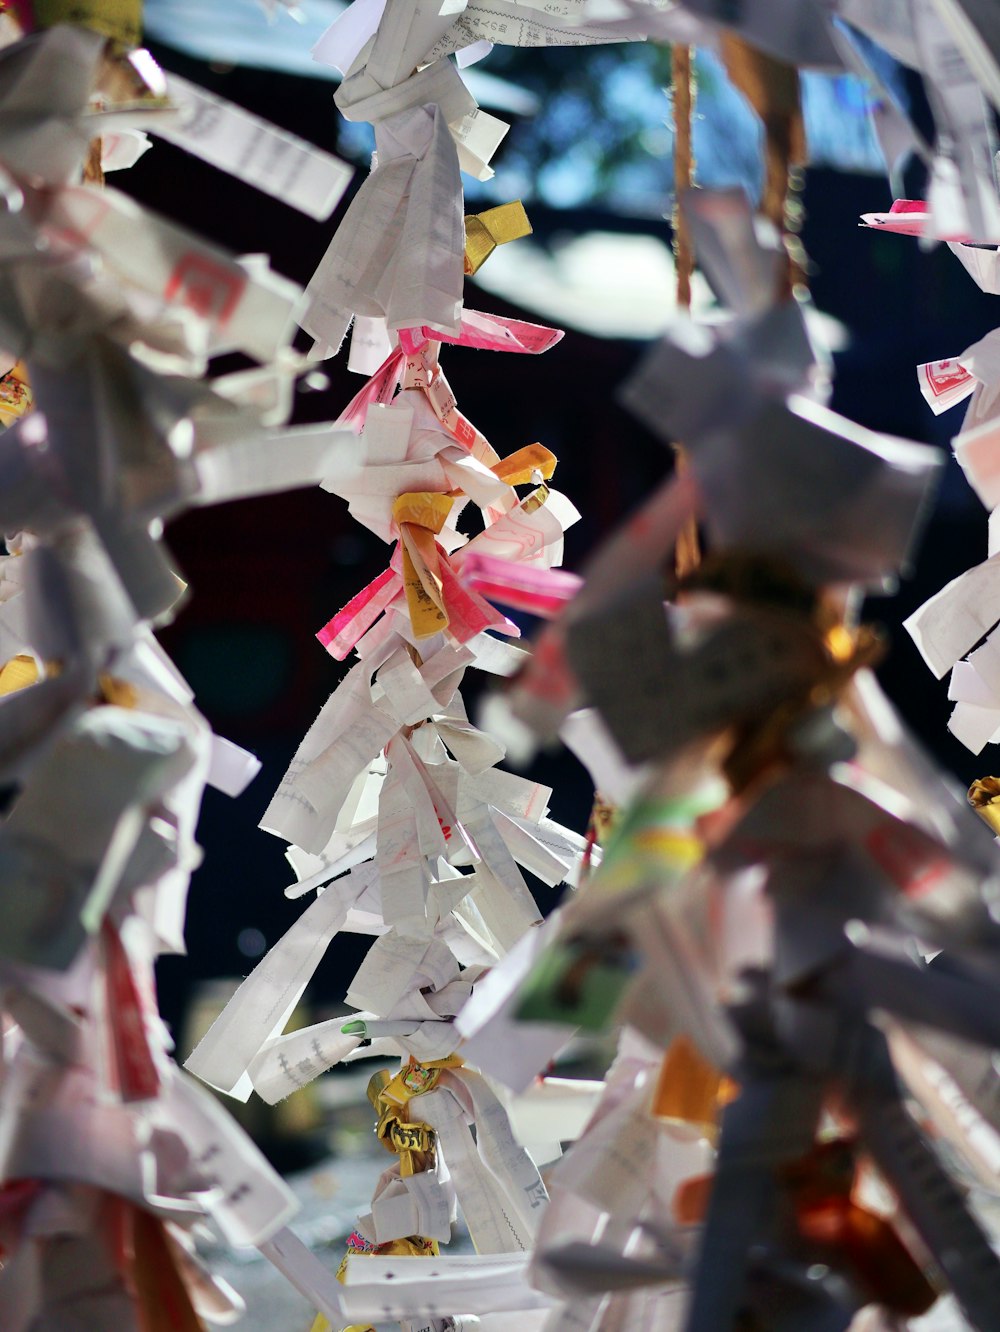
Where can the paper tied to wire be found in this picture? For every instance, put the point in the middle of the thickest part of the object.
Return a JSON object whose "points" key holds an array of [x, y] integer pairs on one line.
{"points": [[962, 191], [650, 1166], [315, 812], [545, 690], [430, 582], [110, 443], [174, 1148], [843, 507], [398, 254], [231, 304], [420, 438], [482, 331], [72, 844], [848, 510], [410, 982], [946, 629]]}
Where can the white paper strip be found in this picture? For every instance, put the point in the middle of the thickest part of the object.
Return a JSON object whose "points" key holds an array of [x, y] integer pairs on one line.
{"points": [[243, 145]]}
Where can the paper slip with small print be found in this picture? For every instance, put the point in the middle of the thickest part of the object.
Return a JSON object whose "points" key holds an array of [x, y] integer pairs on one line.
{"points": [[241, 144]]}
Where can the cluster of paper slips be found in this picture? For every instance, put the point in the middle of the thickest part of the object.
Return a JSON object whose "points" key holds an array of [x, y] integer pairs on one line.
{"points": [[782, 910]]}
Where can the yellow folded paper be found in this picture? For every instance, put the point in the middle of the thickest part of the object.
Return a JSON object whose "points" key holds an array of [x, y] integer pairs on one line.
{"points": [[18, 673], [519, 468], [485, 231], [420, 515]]}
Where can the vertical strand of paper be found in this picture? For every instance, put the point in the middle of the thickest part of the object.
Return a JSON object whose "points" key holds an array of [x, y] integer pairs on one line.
{"points": [[687, 553]]}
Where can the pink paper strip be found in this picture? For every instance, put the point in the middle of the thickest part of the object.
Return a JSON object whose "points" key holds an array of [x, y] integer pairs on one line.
{"points": [[525, 587], [487, 333], [907, 217], [469, 613], [380, 388], [360, 613]]}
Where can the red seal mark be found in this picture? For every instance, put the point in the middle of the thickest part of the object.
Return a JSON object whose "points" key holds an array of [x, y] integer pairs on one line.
{"points": [[210, 288]]}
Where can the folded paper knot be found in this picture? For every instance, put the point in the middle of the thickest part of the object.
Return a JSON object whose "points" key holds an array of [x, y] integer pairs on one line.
{"points": [[420, 516], [361, 97], [485, 231]]}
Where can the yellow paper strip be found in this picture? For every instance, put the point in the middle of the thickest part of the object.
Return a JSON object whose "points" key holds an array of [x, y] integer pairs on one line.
{"points": [[18, 673], [427, 615]]}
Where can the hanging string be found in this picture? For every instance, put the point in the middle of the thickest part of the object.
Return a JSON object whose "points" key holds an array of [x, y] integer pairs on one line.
{"points": [[687, 552], [773, 90], [683, 104]]}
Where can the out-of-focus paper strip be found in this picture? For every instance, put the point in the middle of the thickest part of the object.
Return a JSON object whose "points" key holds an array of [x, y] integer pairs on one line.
{"points": [[973, 24], [306, 1273], [231, 769], [243, 309], [243, 145]]}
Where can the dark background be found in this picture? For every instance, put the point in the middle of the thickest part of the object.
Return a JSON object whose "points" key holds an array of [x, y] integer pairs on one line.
{"points": [[266, 574]]}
